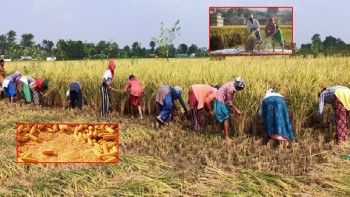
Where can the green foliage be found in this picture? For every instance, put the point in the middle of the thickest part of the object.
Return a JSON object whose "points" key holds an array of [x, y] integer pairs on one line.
{"points": [[166, 38], [316, 45], [331, 46]]}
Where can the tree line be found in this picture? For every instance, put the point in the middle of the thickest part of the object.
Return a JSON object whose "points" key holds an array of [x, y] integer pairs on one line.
{"points": [[329, 46], [77, 49]]}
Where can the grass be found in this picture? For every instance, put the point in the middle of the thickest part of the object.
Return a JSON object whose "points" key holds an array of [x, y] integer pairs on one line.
{"points": [[171, 161], [242, 29]]}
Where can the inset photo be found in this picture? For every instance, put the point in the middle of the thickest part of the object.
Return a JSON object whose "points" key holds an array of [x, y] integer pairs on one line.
{"points": [[251, 31], [67, 143]]}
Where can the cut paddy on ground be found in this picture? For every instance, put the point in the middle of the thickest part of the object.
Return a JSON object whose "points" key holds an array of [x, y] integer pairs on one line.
{"points": [[175, 160]]}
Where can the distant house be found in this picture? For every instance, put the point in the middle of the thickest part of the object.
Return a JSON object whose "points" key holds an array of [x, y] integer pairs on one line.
{"points": [[193, 55], [50, 58], [216, 19], [27, 58], [152, 56], [181, 55]]}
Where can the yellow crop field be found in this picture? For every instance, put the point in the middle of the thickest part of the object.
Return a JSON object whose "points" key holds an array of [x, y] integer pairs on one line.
{"points": [[298, 79], [174, 160]]}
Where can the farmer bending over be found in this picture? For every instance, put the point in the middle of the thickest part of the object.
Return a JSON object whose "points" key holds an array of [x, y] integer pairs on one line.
{"points": [[75, 95], [166, 95], [273, 112], [223, 104], [339, 98]]}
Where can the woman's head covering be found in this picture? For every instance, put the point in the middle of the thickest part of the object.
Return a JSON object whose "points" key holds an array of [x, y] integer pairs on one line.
{"points": [[111, 66], [131, 76], [45, 84], [16, 76], [239, 82], [178, 89]]}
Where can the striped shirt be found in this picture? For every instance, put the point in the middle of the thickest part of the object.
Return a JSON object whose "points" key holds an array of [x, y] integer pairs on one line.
{"points": [[326, 97]]}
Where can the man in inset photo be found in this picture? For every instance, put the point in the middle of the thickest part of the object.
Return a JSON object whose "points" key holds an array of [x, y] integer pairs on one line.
{"points": [[253, 26]]}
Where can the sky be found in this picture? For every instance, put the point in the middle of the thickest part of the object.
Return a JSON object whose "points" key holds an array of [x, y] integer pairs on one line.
{"points": [[126, 22]]}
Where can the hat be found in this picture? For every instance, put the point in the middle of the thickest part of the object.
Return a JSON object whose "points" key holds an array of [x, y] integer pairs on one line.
{"points": [[131, 76], [46, 84], [251, 16], [178, 89], [239, 82]]}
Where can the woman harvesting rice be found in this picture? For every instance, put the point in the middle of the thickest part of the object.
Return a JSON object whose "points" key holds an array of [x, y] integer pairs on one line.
{"points": [[274, 114], [339, 98], [277, 39], [106, 88], [9, 85], [223, 104], [270, 28], [75, 95], [23, 87], [135, 94], [39, 87], [199, 97], [166, 95]]}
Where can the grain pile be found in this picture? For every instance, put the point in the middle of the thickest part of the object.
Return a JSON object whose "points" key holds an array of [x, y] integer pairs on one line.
{"points": [[67, 143]]}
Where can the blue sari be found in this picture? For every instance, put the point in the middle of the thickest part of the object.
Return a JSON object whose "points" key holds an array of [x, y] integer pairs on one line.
{"points": [[276, 117]]}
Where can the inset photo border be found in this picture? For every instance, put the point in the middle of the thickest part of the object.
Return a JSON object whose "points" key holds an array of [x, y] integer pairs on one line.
{"points": [[67, 143], [247, 31]]}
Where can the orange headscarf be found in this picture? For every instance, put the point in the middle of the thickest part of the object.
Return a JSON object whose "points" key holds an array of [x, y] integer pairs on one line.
{"points": [[111, 66]]}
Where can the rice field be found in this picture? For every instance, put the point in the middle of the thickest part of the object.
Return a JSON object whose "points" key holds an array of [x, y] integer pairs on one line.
{"points": [[174, 160], [228, 37]]}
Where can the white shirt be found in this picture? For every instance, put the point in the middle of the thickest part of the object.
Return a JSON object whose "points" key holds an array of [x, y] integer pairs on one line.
{"points": [[254, 25], [27, 80], [108, 76], [5, 83]]}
